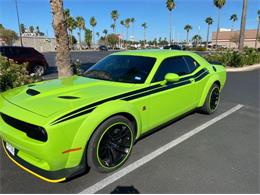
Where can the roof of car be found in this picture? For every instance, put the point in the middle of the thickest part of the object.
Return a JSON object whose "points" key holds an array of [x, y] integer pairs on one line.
{"points": [[154, 53], [16, 47]]}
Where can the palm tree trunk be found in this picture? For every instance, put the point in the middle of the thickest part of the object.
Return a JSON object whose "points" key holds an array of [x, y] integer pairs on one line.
{"points": [[187, 38], [243, 26], [207, 42], [218, 27], [170, 40], [62, 40], [257, 33], [80, 39], [126, 38], [232, 27], [93, 37]]}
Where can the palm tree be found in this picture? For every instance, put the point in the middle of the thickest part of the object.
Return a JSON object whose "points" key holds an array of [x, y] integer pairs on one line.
{"points": [[132, 21], [105, 33], [144, 25], [219, 4], [122, 22], [93, 23], [31, 29], [196, 39], [127, 25], [114, 15], [233, 19], [187, 28], [22, 27], [258, 28], [66, 14], [81, 26], [113, 26], [71, 25], [170, 4], [209, 21], [62, 39], [243, 26]]}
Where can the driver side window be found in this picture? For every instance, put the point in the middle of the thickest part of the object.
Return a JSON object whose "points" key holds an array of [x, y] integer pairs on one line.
{"points": [[175, 65]]}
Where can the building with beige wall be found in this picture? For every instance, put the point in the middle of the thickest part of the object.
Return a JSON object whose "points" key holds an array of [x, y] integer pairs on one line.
{"points": [[42, 44], [228, 38]]}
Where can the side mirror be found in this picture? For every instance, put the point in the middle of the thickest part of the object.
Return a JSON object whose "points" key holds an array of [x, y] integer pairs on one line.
{"points": [[171, 77]]}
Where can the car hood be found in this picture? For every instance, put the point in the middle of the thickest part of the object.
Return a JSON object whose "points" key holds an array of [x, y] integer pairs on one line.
{"points": [[49, 97]]}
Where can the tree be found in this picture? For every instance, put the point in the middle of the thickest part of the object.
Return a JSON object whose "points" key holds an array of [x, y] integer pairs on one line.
{"points": [[113, 26], [37, 30], [71, 25], [81, 26], [132, 22], [187, 28], [8, 36], [31, 29], [233, 19], [144, 25], [112, 39], [62, 41], [114, 16], [22, 27], [170, 4], [209, 21], [219, 4], [127, 25], [196, 39], [66, 13], [88, 37], [105, 33], [258, 28], [93, 23], [243, 26]]}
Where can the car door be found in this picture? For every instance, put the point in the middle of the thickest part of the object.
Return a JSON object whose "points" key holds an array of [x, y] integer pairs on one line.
{"points": [[173, 99]]}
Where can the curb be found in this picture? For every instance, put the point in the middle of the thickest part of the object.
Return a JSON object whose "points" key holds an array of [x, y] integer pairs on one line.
{"points": [[243, 69]]}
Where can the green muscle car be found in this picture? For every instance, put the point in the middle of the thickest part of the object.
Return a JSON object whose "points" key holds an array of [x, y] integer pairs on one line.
{"points": [[56, 129]]}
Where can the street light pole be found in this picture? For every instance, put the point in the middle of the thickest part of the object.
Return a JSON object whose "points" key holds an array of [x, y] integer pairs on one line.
{"points": [[19, 26]]}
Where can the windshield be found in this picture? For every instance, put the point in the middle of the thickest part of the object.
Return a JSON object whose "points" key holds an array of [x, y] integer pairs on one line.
{"points": [[122, 68]]}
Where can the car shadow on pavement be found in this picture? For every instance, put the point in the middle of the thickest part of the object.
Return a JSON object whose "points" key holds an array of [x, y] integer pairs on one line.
{"points": [[125, 190]]}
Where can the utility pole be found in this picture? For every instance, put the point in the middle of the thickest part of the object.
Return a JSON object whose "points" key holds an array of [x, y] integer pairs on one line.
{"points": [[19, 26]]}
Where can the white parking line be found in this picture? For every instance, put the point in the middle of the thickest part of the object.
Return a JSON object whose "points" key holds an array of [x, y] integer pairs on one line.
{"points": [[114, 177]]}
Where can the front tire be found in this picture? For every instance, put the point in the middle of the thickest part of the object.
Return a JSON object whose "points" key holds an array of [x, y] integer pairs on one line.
{"points": [[212, 100], [111, 144]]}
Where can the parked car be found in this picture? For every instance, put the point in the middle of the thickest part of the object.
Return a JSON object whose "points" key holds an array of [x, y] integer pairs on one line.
{"points": [[103, 48], [56, 129], [37, 63], [173, 47]]}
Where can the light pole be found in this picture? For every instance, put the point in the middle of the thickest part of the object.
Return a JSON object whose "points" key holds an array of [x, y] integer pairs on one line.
{"points": [[18, 21]]}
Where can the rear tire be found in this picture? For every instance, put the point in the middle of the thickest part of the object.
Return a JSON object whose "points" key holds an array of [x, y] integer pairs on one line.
{"points": [[212, 101], [111, 144]]}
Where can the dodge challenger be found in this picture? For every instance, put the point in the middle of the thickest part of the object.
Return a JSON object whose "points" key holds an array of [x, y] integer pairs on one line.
{"points": [[56, 129]]}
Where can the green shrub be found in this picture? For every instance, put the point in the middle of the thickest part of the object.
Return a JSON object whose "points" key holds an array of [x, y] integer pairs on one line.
{"points": [[248, 56], [14, 75]]}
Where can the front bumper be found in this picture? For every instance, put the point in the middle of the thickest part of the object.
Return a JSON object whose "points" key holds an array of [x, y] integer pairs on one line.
{"points": [[49, 176]]}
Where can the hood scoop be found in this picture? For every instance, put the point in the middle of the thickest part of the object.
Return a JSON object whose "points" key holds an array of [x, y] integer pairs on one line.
{"points": [[68, 97], [32, 92]]}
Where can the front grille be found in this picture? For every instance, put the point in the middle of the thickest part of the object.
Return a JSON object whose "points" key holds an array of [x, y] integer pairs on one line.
{"points": [[32, 131]]}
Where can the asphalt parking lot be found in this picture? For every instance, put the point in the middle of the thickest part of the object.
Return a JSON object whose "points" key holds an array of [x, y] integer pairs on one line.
{"points": [[221, 158]]}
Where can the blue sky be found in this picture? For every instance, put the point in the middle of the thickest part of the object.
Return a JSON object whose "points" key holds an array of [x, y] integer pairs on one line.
{"points": [[153, 12]]}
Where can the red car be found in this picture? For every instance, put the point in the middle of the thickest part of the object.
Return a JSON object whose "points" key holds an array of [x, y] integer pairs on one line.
{"points": [[37, 64]]}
